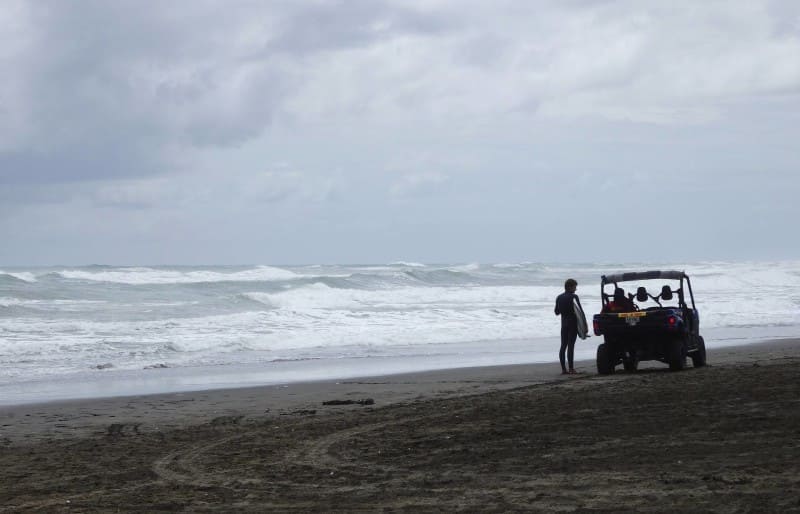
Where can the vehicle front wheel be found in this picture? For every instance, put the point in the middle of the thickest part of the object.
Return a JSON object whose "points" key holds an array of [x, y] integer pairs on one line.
{"points": [[675, 355], [605, 360], [699, 356]]}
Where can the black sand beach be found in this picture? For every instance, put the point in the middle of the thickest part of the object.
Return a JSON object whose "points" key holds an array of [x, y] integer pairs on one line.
{"points": [[725, 438]]}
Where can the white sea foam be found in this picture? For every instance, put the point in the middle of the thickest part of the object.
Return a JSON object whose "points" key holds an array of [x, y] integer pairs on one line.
{"points": [[143, 276], [25, 276], [473, 266], [408, 264], [10, 302], [506, 265], [56, 305], [75, 319], [320, 296]]}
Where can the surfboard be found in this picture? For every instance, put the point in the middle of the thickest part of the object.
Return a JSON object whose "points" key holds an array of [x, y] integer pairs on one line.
{"points": [[583, 328]]}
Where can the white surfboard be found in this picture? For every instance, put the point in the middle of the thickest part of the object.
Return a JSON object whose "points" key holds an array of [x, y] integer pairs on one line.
{"points": [[583, 328]]}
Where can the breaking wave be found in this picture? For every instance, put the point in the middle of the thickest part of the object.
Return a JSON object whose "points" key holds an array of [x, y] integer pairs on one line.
{"points": [[62, 320], [138, 276]]}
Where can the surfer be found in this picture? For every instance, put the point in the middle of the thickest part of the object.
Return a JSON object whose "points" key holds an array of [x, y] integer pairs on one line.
{"points": [[569, 324]]}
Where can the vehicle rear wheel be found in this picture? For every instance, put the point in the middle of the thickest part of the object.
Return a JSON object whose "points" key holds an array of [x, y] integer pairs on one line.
{"points": [[699, 356], [675, 355], [605, 360]]}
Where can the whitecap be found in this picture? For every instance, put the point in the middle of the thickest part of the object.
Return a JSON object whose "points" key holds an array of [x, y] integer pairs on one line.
{"points": [[408, 264], [25, 276], [465, 268], [10, 302], [140, 276]]}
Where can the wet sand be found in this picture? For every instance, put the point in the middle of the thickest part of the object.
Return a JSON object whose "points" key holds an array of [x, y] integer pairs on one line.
{"points": [[510, 438]]}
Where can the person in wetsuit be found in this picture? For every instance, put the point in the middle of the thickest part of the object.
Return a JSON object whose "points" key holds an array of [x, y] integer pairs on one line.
{"points": [[569, 324]]}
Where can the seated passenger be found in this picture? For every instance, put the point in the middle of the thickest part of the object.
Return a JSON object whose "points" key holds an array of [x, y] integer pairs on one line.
{"points": [[620, 303]]}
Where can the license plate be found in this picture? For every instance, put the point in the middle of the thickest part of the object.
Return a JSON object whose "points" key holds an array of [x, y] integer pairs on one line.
{"points": [[637, 314], [632, 318]]}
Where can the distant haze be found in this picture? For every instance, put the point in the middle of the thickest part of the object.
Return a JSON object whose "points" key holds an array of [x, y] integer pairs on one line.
{"points": [[147, 132]]}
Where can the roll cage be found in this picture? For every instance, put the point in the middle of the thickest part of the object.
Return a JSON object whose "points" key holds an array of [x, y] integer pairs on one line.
{"points": [[642, 294]]}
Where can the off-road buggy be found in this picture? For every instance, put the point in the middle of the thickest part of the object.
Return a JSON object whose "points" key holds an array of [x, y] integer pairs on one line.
{"points": [[633, 332]]}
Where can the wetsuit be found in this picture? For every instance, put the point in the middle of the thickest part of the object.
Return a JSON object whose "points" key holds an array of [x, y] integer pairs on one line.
{"points": [[569, 327]]}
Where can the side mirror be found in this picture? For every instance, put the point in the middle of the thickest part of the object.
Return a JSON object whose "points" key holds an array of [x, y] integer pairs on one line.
{"points": [[641, 294], [666, 293]]}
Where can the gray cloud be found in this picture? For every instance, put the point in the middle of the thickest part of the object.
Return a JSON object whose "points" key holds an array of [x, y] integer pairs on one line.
{"points": [[138, 120], [109, 90], [112, 89], [339, 24]]}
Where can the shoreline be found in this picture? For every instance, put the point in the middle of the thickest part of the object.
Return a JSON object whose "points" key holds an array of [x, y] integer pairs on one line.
{"points": [[720, 438], [161, 379], [86, 416]]}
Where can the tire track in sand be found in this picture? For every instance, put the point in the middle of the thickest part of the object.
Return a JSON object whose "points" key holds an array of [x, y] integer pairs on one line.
{"points": [[183, 466], [185, 460]]}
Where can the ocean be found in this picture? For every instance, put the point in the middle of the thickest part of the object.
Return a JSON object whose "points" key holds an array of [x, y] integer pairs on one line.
{"points": [[105, 330]]}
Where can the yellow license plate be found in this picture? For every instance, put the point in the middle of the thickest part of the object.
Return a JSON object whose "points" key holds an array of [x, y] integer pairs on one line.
{"points": [[637, 314]]}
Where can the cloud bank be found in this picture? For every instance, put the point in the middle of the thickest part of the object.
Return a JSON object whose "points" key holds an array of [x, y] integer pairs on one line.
{"points": [[125, 123]]}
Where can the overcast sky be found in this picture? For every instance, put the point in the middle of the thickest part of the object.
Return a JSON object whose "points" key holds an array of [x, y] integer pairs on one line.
{"points": [[363, 131]]}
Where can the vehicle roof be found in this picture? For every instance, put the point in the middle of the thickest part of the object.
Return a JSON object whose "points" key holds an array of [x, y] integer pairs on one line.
{"points": [[643, 275]]}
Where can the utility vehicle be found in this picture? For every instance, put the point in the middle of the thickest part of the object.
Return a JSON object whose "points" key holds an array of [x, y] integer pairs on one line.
{"points": [[644, 327]]}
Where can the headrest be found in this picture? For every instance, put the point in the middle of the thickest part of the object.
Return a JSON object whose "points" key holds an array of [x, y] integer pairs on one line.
{"points": [[666, 293], [619, 294], [641, 294]]}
